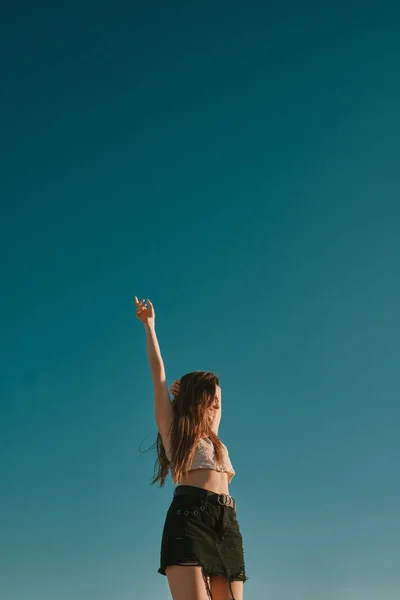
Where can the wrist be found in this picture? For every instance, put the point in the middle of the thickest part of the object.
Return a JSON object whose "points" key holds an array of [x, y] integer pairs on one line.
{"points": [[149, 326]]}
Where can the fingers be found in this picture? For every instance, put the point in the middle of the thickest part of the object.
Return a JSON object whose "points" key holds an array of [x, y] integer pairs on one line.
{"points": [[175, 388], [139, 303], [140, 307], [144, 311]]}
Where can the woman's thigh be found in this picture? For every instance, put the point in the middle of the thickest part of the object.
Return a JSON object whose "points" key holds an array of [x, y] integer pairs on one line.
{"points": [[220, 588], [187, 583]]}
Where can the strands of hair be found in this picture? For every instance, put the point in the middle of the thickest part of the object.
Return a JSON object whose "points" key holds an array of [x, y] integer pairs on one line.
{"points": [[190, 424]]}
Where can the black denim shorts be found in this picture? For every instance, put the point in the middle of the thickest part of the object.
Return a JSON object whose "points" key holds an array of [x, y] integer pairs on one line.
{"points": [[201, 529]]}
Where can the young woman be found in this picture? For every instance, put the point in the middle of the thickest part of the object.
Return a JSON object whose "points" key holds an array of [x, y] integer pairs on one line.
{"points": [[201, 548]]}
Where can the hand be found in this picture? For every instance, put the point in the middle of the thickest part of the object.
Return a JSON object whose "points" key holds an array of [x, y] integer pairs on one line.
{"points": [[145, 313], [175, 388]]}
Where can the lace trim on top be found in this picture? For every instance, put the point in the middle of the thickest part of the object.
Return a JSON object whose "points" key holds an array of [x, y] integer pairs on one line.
{"points": [[204, 458]]}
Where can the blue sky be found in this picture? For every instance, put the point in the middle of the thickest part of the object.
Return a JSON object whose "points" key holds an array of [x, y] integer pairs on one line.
{"points": [[237, 164]]}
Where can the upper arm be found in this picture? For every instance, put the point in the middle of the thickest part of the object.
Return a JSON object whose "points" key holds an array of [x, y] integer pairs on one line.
{"points": [[163, 408]]}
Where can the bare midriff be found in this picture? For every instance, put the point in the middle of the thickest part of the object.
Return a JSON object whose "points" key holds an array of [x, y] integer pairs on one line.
{"points": [[213, 481]]}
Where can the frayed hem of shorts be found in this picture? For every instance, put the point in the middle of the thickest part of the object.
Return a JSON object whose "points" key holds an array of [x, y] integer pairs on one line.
{"points": [[207, 576], [237, 577]]}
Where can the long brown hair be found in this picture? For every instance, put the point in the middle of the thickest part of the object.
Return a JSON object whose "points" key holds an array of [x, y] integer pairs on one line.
{"points": [[190, 424]]}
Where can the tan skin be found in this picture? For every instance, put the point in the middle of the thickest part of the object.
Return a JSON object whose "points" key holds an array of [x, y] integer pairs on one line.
{"points": [[186, 582], [211, 480]]}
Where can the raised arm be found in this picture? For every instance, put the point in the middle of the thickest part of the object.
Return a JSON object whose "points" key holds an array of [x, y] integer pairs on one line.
{"points": [[162, 402]]}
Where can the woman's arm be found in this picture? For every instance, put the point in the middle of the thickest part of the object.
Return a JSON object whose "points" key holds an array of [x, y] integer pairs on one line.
{"points": [[162, 402], [154, 353]]}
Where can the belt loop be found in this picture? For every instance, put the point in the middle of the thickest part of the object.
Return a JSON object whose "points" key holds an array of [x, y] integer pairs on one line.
{"points": [[222, 499]]}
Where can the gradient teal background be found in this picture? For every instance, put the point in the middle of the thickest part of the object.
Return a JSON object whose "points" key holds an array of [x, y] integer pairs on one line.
{"points": [[237, 163]]}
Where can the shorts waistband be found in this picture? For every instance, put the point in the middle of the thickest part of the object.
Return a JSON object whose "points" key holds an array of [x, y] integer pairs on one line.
{"points": [[205, 495]]}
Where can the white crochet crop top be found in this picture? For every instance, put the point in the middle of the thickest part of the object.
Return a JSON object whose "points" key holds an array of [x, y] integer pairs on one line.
{"points": [[204, 458]]}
